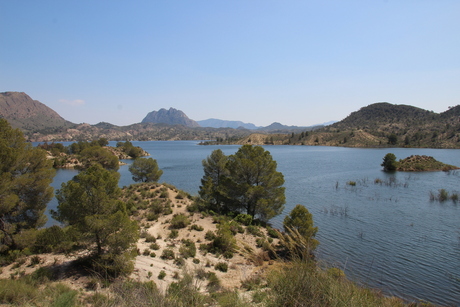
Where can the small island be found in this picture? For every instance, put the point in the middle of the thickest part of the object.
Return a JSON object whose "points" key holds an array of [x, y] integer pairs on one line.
{"points": [[415, 163]]}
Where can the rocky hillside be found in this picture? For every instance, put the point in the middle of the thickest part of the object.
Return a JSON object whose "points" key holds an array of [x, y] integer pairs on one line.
{"points": [[170, 117], [378, 125], [23, 112]]}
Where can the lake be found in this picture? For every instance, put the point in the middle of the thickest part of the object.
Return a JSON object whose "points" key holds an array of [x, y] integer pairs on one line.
{"points": [[388, 235]]}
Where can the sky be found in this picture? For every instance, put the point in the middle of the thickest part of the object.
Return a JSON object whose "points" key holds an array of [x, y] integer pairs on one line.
{"points": [[258, 61]]}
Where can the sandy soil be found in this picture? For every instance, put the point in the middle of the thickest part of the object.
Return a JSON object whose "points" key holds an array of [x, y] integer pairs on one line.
{"points": [[243, 264]]}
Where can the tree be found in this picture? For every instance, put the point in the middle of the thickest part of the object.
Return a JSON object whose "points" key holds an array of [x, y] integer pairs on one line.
{"points": [[145, 170], [392, 139], [89, 203], [300, 233], [389, 162], [301, 220], [25, 177], [254, 185], [211, 189]]}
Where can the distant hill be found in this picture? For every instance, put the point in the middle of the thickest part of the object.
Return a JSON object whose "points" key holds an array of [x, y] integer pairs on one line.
{"points": [[386, 114], [30, 115], [219, 123], [170, 117], [376, 125]]}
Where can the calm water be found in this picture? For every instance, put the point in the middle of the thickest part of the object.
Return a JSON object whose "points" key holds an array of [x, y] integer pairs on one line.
{"points": [[388, 237]]}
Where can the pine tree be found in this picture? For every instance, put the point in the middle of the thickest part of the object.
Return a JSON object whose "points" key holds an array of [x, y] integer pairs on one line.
{"points": [[25, 177], [145, 170], [254, 185], [89, 203]]}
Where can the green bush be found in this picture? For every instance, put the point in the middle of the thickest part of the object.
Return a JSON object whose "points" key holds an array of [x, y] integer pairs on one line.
{"points": [[168, 254], [154, 246], [179, 261], [221, 266], [162, 275], [196, 227], [254, 230], [244, 219], [210, 235], [173, 234], [149, 238], [188, 249], [224, 242], [150, 216], [272, 232], [179, 221]]}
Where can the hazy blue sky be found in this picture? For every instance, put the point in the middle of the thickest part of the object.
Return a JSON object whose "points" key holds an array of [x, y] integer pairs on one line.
{"points": [[294, 62]]}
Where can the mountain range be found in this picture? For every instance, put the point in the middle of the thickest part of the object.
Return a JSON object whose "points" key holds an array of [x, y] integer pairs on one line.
{"points": [[376, 125]]}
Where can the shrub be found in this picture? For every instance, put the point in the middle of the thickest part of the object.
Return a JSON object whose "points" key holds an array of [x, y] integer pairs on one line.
{"points": [[272, 232], [254, 230], [210, 235], [260, 242], [196, 260], [151, 216], [224, 242], [179, 221], [154, 246], [168, 254], [244, 219], [188, 249], [149, 238], [221, 266], [179, 261], [196, 227], [236, 228], [162, 275], [173, 234], [164, 194], [52, 239], [181, 195], [204, 247]]}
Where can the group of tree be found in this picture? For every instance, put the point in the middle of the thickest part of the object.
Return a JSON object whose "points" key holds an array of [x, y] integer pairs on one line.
{"points": [[246, 181], [129, 149], [89, 209], [91, 152]]}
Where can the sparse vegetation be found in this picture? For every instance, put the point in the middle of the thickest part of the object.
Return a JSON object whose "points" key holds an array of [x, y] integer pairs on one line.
{"points": [[221, 266], [443, 195]]}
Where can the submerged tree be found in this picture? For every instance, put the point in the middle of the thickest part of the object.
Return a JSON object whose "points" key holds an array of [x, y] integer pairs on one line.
{"points": [[145, 170], [89, 203], [25, 178], [389, 162]]}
